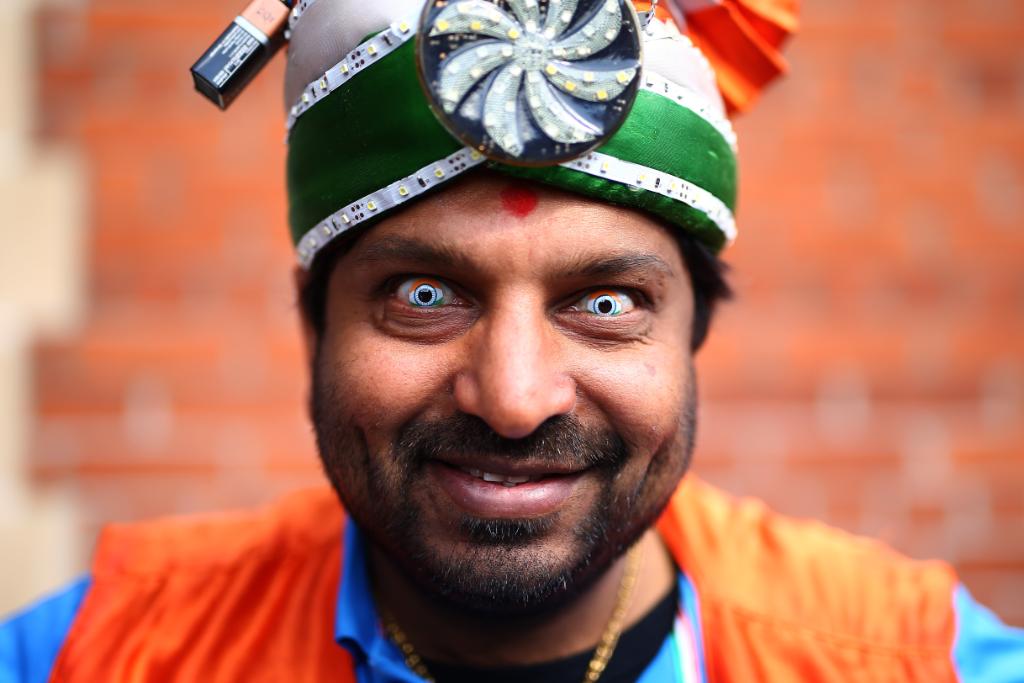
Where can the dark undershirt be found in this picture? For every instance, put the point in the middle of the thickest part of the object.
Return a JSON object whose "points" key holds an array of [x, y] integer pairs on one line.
{"points": [[636, 650]]}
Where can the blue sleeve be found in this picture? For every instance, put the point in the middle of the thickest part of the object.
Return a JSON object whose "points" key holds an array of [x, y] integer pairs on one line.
{"points": [[985, 649], [31, 639]]}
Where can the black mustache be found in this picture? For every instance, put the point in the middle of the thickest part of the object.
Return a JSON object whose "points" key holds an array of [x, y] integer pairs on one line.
{"points": [[561, 442]]}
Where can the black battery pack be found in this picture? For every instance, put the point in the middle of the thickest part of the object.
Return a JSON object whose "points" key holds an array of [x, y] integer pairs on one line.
{"points": [[241, 51]]}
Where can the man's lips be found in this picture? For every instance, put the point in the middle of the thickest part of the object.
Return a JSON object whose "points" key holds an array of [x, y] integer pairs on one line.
{"points": [[507, 468], [496, 489]]}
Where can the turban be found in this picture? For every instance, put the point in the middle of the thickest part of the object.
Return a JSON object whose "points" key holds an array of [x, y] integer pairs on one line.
{"points": [[398, 97]]}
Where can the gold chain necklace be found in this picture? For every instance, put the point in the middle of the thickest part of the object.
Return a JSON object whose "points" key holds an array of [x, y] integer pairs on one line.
{"points": [[602, 655]]}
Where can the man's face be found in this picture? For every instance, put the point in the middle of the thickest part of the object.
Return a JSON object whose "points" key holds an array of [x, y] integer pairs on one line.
{"points": [[503, 393]]}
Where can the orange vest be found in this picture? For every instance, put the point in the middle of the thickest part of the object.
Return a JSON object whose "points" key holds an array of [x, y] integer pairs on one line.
{"points": [[251, 597]]}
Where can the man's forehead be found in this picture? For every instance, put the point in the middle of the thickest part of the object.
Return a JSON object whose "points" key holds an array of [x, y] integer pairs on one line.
{"points": [[571, 236]]}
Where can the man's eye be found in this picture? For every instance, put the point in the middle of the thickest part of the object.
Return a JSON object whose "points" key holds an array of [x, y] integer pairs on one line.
{"points": [[606, 303], [425, 292]]}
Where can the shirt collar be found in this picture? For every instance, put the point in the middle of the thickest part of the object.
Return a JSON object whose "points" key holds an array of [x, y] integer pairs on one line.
{"points": [[357, 627], [355, 621]]}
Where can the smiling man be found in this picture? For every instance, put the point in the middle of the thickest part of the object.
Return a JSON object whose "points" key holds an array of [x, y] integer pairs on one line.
{"points": [[505, 416], [507, 217]]}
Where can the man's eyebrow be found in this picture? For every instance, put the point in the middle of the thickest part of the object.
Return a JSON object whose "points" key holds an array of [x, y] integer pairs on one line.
{"points": [[404, 249], [620, 264]]}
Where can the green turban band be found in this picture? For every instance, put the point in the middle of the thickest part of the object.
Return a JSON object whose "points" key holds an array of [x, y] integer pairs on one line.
{"points": [[363, 140]]}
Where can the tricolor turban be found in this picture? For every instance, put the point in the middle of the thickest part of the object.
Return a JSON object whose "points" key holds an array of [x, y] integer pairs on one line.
{"points": [[626, 104]]}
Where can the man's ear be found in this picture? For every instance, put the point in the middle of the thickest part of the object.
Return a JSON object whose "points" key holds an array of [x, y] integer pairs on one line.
{"points": [[301, 276]]}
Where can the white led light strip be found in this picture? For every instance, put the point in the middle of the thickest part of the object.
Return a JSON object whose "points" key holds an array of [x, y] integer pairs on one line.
{"points": [[430, 176], [644, 178], [366, 54], [382, 200], [300, 7]]}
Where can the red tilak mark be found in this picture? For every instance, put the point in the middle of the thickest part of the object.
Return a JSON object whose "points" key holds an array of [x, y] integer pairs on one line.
{"points": [[519, 201]]}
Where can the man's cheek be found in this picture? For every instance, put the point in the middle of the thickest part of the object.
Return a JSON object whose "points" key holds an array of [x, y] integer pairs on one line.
{"points": [[388, 383], [642, 397]]}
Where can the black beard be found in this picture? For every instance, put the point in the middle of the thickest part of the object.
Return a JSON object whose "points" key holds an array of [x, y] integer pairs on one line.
{"points": [[498, 570]]}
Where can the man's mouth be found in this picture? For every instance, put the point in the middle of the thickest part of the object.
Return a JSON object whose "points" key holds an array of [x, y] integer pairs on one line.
{"points": [[505, 479], [504, 490]]}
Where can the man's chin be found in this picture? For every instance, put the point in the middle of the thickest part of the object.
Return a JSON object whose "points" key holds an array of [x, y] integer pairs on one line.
{"points": [[503, 566], [507, 533], [516, 576]]}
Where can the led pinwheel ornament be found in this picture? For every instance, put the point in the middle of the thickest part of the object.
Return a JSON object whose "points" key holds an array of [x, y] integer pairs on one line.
{"points": [[529, 82]]}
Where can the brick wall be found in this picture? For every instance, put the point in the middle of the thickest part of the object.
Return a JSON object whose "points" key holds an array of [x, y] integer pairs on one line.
{"points": [[871, 372]]}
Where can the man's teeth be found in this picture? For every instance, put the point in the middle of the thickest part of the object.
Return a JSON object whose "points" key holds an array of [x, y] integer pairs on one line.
{"points": [[496, 478]]}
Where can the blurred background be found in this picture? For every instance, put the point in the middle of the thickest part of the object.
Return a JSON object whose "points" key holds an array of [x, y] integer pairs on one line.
{"points": [[870, 373]]}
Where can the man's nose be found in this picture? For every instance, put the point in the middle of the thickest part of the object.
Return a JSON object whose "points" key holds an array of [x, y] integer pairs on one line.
{"points": [[515, 376]]}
